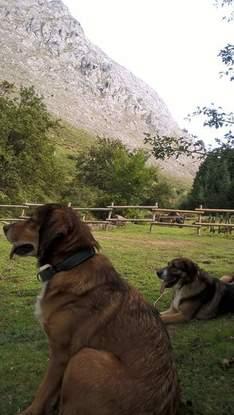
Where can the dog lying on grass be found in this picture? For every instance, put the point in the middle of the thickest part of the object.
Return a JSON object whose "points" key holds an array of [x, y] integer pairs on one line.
{"points": [[109, 350], [196, 295]]}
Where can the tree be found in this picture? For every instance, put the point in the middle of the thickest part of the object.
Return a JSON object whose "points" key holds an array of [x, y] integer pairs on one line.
{"points": [[28, 167], [109, 172], [164, 146], [214, 183], [215, 117]]}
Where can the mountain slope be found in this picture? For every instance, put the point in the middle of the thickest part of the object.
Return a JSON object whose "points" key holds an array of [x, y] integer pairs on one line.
{"points": [[43, 45]]}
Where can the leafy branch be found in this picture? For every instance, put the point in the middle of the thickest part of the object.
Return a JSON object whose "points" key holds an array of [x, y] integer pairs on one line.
{"points": [[164, 146]]}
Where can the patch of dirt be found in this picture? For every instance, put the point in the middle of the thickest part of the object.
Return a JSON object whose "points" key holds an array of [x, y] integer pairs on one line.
{"points": [[144, 241]]}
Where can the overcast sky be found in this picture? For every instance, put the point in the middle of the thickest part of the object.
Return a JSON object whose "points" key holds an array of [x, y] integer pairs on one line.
{"points": [[170, 44]]}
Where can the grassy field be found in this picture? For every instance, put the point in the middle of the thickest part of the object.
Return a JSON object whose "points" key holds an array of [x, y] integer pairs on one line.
{"points": [[199, 347], [69, 141]]}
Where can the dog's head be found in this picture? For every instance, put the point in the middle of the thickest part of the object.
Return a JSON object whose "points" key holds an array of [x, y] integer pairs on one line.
{"points": [[181, 270], [51, 231]]}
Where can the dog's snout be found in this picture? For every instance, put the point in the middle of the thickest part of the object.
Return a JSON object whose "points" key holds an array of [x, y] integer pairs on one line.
{"points": [[6, 228], [162, 273], [159, 273]]}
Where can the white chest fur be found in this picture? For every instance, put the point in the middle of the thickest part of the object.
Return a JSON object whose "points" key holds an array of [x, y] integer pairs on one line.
{"points": [[38, 310]]}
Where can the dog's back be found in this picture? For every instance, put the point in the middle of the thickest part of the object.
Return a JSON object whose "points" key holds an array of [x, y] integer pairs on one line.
{"points": [[226, 304], [217, 299]]}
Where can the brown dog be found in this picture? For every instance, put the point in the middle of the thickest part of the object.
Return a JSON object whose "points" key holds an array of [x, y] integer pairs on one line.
{"points": [[196, 294], [109, 351]]}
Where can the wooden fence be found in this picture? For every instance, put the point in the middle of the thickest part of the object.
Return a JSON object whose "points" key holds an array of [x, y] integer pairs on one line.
{"points": [[221, 220]]}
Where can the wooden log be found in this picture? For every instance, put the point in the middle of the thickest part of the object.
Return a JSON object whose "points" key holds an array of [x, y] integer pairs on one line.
{"points": [[69, 205], [154, 212], [110, 211], [181, 225], [215, 210], [92, 209], [132, 207], [28, 204], [97, 221], [10, 219], [211, 224], [13, 206], [175, 210], [131, 220]]}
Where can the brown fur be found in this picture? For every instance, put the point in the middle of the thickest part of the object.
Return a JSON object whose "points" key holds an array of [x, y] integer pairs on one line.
{"points": [[195, 293], [109, 351]]}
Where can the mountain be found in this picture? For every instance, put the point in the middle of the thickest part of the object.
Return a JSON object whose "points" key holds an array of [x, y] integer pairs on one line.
{"points": [[42, 44]]}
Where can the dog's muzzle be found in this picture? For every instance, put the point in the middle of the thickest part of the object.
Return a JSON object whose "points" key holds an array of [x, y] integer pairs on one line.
{"points": [[162, 274]]}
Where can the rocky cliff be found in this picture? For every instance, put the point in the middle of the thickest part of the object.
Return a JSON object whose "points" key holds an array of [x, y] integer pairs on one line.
{"points": [[43, 45]]}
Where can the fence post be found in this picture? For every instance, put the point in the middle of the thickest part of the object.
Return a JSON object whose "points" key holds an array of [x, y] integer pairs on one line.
{"points": [[23, 212], [154, 211], [199, 220], [154, 215], [110, 212]]}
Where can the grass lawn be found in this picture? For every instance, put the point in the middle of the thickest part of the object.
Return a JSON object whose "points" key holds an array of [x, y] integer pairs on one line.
{"points": [[199, 347]]}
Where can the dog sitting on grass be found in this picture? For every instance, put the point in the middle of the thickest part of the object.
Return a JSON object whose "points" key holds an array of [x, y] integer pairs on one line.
{"points": [[110, 353], [196, 294]]}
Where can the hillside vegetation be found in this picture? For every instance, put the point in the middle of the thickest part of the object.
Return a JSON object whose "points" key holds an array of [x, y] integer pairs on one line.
{"points": [[44, 159]]}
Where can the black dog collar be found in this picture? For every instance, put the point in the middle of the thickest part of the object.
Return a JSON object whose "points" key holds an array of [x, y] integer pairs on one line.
{"points": [[46, 272]]}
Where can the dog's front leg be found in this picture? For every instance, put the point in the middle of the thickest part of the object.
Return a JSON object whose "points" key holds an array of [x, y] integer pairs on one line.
{"points": [[169, 311], [176, 317], [49, 389]]}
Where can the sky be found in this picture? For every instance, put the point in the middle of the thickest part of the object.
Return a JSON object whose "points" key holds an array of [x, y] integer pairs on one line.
{"points": [[170, 44]]}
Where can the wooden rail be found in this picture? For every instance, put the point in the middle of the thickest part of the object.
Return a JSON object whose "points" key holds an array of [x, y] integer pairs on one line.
{"points": [[130, 220], [218, 218], [194, 212], [92, 209], [215, 210], [131, 207], [231, 225]]}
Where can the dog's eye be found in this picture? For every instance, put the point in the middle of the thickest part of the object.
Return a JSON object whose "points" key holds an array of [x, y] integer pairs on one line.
{"points": [[175, 269]]}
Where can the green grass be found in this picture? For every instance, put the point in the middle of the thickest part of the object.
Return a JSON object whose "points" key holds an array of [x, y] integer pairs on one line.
{"points": [[69, 141], [199, 347], [70, 138]]}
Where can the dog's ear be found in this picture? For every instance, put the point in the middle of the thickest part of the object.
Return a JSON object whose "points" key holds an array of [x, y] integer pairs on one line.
{"points": [[53, 227], [61, 228], [186, 266], [191, 268]]}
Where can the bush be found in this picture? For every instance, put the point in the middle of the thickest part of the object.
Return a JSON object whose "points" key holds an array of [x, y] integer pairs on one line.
{"points": [[108, 172], [28, 168]]}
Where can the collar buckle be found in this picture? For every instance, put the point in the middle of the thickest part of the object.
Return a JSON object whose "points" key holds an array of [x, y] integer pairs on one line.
{"points": [[41, 271]]}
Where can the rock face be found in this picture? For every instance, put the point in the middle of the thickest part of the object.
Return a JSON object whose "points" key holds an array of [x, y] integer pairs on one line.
{"points": [[43, 45]]}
